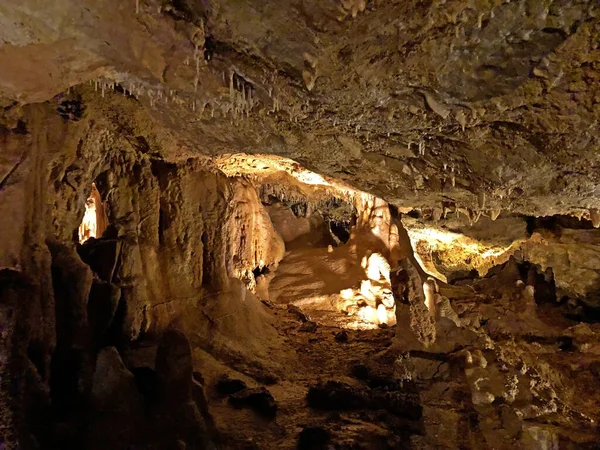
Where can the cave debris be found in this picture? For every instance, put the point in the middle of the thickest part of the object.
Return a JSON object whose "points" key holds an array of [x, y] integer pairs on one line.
{"points": [[298, 313], [227, 386], [308, 327], [259, 400]]}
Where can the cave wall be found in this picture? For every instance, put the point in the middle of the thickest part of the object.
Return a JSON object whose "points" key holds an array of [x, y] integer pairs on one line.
{"points": [[572, 257], [172, 227]]}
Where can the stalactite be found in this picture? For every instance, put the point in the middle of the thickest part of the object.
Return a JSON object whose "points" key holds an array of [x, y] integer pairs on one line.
{"points": [[481, 199], [494, 213]]}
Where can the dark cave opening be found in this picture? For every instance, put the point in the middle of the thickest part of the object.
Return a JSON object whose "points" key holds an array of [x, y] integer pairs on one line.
{"points": [[414, 214], [557, 223], [162, 225], [542, 281], [260, 271], [299, 209], [341, 230]]}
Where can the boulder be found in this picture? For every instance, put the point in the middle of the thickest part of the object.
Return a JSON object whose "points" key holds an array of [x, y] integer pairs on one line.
{"points": [[259, 400]]}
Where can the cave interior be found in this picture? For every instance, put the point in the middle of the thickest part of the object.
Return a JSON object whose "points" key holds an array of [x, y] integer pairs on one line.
{"points": [[313, 224]]}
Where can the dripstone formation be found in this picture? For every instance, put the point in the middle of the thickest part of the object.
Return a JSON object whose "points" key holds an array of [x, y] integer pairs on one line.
{"points": [[314, 224]]}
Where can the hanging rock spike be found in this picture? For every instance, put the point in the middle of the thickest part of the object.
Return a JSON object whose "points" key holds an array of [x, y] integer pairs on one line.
{"points": [[595, 217], [494, 213], [481, 199]]}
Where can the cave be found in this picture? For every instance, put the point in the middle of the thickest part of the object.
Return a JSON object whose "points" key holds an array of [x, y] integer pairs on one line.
{"points": [[318, 224], [95, 220]]}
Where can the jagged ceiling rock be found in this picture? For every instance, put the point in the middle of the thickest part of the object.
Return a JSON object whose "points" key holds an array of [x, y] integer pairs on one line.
{"points": [[573, 259], [452, 249], [419, 103]]}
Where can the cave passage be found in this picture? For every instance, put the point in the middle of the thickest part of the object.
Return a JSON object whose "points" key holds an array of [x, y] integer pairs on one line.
{"points": [[333, 270], [95, 220], [299, 225]]}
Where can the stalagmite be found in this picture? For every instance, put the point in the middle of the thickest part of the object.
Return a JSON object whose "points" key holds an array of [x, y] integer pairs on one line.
{"points": [[429, 291]]}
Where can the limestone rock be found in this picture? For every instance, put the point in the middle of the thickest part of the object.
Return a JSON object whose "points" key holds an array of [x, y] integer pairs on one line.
{"points": [[174, 366], [313, 437], [101, 307], [227, 386], [259, 400], [116, 403]]}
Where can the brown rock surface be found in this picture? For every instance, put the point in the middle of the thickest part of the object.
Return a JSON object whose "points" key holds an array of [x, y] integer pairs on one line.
{"points": [[273, 183]]}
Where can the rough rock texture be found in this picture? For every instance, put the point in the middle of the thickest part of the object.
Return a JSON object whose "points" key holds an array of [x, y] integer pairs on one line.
{"points": [[413, 317], [200, 123], [116, 406], [167, 242], [436, 102], [573, 259]]}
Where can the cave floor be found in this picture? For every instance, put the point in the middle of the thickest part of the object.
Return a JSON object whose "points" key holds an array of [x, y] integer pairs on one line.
{"points": [[436, 406], [321, 358], [331, 286], [312, 273]]}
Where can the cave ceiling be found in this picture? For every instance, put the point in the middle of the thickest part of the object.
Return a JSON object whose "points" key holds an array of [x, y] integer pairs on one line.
{"points": [[481, 104]]}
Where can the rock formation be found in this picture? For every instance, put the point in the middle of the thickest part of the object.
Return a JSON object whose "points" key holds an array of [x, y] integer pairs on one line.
{"points": [[310, 224]]}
